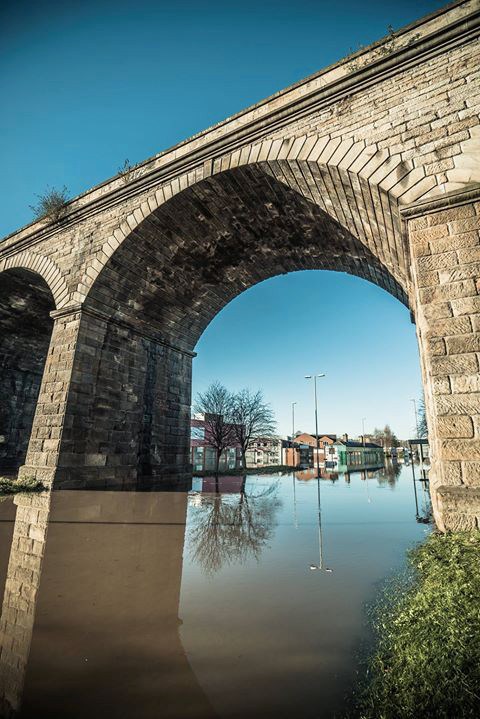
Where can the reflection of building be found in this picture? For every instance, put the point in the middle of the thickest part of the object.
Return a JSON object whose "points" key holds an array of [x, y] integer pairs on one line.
{"points": [[325, 442], [204, 454], [349, 453], [264, 451]]}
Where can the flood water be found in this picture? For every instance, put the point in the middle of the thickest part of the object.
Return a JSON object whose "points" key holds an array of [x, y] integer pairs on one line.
{"points": [[232, 600]]}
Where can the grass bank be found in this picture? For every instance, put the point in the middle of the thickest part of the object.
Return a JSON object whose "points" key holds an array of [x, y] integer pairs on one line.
{"points": [[11, 485], [427, 657]]}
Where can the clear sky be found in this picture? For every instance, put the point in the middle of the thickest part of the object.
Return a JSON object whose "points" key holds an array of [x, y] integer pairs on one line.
{"points": [[85, 85]]}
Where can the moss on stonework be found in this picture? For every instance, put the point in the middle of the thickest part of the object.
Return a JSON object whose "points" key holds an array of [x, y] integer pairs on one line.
{"points": [[10, 485], [426, 662]]}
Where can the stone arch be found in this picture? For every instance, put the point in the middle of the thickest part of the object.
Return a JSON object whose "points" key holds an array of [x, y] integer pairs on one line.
{"points": [[177, 265], [26, 303], [358, 184], [43, 266]]}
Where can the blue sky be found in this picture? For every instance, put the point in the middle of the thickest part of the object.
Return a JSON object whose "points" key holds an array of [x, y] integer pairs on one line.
{"points": [[87, 85]]}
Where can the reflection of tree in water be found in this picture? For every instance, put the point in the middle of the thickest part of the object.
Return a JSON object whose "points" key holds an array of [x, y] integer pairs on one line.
{"points": [[229, 528], [389, 473]]}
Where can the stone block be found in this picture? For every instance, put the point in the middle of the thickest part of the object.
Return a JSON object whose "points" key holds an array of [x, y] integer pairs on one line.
{"points": [[449, 326], [466, 383], [462, 344], [466, 305], [460, 404], [454, 426], [471, 473], [438, 310], [441, 385], [461, 364]]}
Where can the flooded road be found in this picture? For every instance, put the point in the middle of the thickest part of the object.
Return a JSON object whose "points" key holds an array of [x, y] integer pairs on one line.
{"points": [[232, 600]]}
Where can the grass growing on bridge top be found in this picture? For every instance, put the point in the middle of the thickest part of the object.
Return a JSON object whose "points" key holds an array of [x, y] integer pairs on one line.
{"points": [[427, 658]]}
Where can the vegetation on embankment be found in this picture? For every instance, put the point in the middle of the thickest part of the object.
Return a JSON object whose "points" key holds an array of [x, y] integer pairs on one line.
{"points": [[11, 485], [426, 662]]}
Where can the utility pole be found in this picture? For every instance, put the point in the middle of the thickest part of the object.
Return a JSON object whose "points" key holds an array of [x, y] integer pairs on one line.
{"points": [[309, 376], [293, 433]]}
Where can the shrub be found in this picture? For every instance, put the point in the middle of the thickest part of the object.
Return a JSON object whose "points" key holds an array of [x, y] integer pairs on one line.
{"points": [[25, 484], [51, 205]]}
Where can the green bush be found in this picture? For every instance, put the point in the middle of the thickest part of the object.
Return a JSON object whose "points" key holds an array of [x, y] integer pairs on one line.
{"points": [[25, 484], [51, 205], [427, 658]]}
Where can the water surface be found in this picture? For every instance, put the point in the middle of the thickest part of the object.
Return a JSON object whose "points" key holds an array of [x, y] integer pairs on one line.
{"points": [[236, 599]]}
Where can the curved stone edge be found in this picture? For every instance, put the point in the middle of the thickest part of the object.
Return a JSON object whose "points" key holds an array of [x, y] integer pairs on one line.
{"points": [[43, 266]]}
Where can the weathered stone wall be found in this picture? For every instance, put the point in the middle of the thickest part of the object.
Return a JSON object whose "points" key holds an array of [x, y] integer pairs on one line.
{"points": [[128, 411], [445, 244]]}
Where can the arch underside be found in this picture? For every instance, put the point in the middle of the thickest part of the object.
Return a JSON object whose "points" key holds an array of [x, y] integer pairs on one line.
{"points": [[25, 329], [196, 252]]}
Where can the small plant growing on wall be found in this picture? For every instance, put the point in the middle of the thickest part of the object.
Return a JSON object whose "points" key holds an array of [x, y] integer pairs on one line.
{"points": [[51, 204], [128, 171]]}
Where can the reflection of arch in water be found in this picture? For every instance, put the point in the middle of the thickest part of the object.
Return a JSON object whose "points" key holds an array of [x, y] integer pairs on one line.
{"points": [[106, 633], [20, 596]]}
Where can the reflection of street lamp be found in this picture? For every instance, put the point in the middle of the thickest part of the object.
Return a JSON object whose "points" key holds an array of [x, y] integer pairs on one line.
{"points": [[295, 522], [314, 567], [309, 376]]}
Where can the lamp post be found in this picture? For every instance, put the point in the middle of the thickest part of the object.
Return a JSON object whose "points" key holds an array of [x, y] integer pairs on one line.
{"points": [[309, 376], [293, 433], [416, 416]]}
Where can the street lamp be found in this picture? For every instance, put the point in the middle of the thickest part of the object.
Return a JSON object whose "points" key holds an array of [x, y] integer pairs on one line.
{"points": [[416, 416], [309, 376], [293, 432]]}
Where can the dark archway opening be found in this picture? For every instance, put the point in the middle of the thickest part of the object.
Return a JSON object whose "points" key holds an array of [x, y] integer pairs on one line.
{"points": [[25, 329]]}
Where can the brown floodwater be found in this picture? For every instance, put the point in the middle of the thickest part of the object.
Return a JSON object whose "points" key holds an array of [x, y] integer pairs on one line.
{"points": [[236, 599]]}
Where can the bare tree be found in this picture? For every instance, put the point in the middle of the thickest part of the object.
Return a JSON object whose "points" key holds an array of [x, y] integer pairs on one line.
{"points": [[253, 418], [216, 405], [422, 418]]}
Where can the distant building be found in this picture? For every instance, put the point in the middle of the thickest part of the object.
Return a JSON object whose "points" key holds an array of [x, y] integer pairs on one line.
{"points": [[264, 452], [296, 454], [204, 455], [347, 453], [325, 442]]}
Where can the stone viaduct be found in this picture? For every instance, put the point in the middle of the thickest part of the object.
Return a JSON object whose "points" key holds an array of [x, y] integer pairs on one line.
{"points": [[370, 167]]}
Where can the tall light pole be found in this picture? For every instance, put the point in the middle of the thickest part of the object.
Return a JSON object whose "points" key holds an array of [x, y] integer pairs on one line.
{"points": [[293, 432], [416, 416], [363, 435], [309, 376]]}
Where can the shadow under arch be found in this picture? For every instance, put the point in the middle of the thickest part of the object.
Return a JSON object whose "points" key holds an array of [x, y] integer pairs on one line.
{"points": [[26, 302], [128, 410], [193, 254]]}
